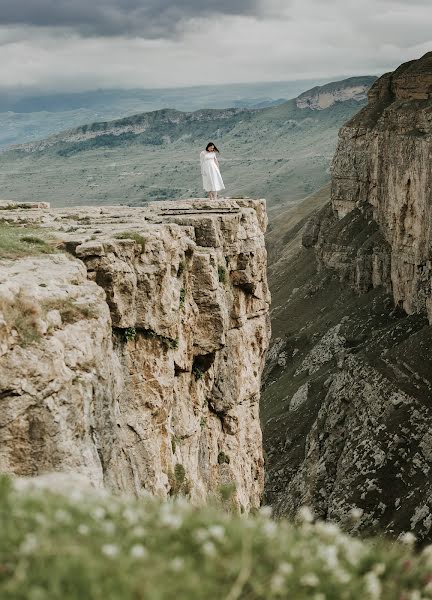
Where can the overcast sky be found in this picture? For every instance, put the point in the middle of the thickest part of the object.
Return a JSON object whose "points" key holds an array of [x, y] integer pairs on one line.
{"points": [[87, 44]]}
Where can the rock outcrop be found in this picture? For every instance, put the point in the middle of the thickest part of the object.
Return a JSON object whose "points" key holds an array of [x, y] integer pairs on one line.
{"points": [[134, 355], [353, 430], [322, 97]]}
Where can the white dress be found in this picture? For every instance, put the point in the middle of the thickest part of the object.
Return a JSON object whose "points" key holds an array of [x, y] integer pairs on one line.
{"points": [[212, 179]]}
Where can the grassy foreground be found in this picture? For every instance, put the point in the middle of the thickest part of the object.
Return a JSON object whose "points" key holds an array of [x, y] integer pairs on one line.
{"points": [[83, 546]]}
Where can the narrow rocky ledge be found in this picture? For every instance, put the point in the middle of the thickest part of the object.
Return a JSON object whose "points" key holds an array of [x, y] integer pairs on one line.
{"points": [[134, 354]]}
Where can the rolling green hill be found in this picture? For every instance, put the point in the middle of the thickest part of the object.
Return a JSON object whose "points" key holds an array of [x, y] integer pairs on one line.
{"points": [[282, 153]]}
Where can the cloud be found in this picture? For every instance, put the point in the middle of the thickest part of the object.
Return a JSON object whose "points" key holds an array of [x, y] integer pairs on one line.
{"points": [[245, 41], [146, 18]]}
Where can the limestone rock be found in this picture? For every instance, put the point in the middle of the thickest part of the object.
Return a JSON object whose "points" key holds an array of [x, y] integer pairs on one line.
{"points": [[142, 361]]}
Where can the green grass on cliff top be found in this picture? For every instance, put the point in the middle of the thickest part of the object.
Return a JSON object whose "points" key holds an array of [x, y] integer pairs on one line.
{"points": [[98, 547], [19, 241]]}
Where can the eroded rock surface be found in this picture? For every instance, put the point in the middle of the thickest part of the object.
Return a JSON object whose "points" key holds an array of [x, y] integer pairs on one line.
{"points": [[139, 359], [354, 332]]}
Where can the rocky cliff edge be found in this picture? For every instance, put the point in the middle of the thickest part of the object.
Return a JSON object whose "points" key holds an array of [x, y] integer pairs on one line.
{"points": [[133, 355]]}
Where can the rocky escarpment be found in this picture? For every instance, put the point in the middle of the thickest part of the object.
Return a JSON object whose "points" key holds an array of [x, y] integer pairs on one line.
{"points": [[355, 370], [322, 97], [133, 355]]}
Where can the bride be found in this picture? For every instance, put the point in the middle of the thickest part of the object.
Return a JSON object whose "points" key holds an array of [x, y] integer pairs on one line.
{"points": [[212, 179]]}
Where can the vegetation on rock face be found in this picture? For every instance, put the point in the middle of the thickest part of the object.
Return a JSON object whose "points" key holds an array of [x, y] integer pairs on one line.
{"points": [[97, 546], [26, 318], [132, 235], [222, 274]]}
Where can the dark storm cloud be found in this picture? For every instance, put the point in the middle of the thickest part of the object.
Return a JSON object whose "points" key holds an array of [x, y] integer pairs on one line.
{"points": [[147, 18]]}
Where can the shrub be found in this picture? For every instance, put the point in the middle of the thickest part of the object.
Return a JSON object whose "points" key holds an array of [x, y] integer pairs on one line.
{"points": [[223, 459], [178, 481], [181, 268], [222, 274], [129, 334], [182, 298], [168, 343], [197, 372]]}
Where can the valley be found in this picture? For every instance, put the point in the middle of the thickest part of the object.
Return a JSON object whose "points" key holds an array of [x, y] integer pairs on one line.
{"points": [[282, 153]]}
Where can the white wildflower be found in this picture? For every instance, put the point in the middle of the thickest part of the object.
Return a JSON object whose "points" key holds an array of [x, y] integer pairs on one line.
{"points": [[285, 568], [98, 513], [266, 511], [131, 515], [379, 569], [217, 532], [83, 529], [327, 529], [342, 576], [76, 496], [305, 515], [309, 580], [329, 555], [138, 551], [407, 538], [373, 586], [269, 528], [41, 518], [177, 564], [209, 549], [62, 516], [171, 520], [138, 531], [108, 527], [277, 583], [110, 550], [353, 550], [356, 513], [29, 544]]}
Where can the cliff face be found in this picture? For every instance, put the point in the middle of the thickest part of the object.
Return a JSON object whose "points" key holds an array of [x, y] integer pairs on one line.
{"points": [[322, 97], [383, 164], [354, 425], [135, 357]]}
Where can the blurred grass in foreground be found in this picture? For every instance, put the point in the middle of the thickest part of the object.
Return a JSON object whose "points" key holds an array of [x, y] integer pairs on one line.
{"points": [[83, 545]]}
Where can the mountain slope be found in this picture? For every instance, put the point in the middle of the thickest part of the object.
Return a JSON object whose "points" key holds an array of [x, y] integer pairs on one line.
{"points": [[282, 153], [28, 117], [347, 405]]}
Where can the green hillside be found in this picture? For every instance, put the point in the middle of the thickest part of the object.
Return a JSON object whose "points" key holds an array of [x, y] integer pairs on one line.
{"points": [[25, 117], [282, 153]]}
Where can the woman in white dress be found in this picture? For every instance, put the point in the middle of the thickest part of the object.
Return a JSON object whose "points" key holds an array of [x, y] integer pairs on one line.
{"points": [[212, 179]]}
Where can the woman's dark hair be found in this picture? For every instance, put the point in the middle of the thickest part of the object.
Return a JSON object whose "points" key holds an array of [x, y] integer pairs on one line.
{"points": [[211, 144]]}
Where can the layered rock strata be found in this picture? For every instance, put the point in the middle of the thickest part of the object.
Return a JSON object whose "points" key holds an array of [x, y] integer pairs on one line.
{"points": [[134, 354], [353, 429]]}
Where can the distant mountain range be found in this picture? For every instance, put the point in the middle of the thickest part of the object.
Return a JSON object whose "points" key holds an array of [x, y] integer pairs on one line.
{"points": [[29, 117], [281, 152]]}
